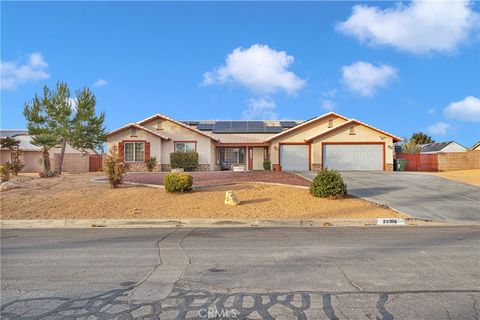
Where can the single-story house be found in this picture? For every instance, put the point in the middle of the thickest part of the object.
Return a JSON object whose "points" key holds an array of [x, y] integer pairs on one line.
{"points": [[31, 155], [476, 146], [436, 147], [330, 140]]}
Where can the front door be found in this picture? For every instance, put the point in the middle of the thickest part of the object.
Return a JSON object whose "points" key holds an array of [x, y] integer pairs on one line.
{"points": [[250, 158]]}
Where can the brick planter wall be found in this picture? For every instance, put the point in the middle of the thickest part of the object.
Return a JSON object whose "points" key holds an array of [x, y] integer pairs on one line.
{"points": [[201, 167], [137, 167], [458, 160]]}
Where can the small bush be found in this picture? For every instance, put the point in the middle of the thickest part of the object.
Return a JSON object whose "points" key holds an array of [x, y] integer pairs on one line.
{"points": [[178, 182], [151, 164], [15, 167], [4, 172], [186, 160], [328, 184], [114, 168], [48, 174], [267, 165]]}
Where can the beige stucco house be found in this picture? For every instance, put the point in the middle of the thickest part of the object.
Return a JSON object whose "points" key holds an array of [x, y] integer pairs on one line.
{"points": [[476, 146], [330, 140], [31, 155]]}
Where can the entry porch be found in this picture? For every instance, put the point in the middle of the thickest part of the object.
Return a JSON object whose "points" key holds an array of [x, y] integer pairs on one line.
{"points": [[248, 157]]}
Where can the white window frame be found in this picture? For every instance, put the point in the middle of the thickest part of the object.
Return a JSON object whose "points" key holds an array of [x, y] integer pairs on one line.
{"points": [[135, 143], [185, 143], [235, 152]]}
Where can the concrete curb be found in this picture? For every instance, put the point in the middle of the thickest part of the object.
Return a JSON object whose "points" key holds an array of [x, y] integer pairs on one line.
{"points": [[203, 223]]}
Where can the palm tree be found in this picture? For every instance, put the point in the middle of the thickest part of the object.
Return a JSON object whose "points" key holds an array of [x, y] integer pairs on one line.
{"points": [[46, 142]]}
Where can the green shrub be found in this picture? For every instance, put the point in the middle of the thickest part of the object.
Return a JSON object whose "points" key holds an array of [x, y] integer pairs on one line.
{"points": [[48, 174], [114, 168], [178, 182], [327, 184], [267, 165], [15, 167], [4, 172], [151, 164], [186, 160]]}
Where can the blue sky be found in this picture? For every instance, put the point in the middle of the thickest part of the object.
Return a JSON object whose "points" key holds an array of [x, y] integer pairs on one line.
{"points": [[401, 67]]}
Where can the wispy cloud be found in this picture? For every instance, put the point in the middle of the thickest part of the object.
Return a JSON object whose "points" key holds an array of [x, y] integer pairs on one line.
{"points": [[261, 108], [328, 105], [100, 82], [364, 78], [330, 93], [15, 73], [438, 129]]}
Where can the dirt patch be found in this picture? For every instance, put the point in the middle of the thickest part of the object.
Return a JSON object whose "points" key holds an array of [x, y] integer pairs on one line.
{"points": [[214, 178], [75, 197], [466, 176]]}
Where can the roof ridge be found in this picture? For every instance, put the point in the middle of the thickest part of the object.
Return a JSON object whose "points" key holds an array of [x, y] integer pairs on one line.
{"points": [[306, 123], [178, 123], [351, 121]]}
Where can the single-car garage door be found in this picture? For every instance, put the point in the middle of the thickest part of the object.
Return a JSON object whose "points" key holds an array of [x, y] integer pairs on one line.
{"points": [[294, 157], [353, 156]]}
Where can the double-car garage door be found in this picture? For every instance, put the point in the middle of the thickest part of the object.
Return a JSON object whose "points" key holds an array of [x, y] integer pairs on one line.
{"points": [[353, 156], [335, 156]]}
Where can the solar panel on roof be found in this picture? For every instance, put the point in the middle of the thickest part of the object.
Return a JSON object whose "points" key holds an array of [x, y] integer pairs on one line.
{"points": [[190, 123], [222, 126], [273, 129], [255, 126], [205, 126], [288, 124], [238, 126]]}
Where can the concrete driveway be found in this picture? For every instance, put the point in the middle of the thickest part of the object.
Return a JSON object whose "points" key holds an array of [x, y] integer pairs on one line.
{"points": [[420, 195]]}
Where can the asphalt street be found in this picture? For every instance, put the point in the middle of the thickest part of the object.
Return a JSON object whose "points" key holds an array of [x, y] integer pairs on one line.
{"points": [[419, 195], [241, 273]]}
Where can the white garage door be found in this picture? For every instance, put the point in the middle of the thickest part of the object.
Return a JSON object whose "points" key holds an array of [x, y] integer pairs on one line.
{"points": [[353, 156], [294, 157]]}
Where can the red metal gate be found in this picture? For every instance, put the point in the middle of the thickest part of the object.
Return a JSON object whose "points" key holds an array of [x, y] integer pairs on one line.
{"points": [[95, 163], [420, 162]]}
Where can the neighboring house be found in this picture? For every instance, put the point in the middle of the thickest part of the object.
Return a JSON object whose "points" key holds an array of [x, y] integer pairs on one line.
{"points": [[436, 147], [330, 140], [476, 146], [31, 155]]}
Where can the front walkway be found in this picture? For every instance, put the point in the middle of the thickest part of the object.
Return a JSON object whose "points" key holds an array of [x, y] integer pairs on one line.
{"points": [[214, 178], [419, 195]]}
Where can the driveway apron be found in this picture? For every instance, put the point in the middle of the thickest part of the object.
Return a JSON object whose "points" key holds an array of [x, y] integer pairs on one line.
{"points": [[419, 195]]}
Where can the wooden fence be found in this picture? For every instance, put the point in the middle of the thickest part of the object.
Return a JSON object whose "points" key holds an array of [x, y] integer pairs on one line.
{"points": [[444, 161], [96, 163], [419, 162]]}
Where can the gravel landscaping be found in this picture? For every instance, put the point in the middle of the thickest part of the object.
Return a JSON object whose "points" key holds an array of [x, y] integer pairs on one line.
{"points": [[471, 176], [215, 178], [74, 196]]}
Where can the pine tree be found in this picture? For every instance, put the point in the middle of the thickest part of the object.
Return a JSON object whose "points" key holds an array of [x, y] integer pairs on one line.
{"points": [[87, 132], [72, 121], [46, 142], [421, 138]]}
